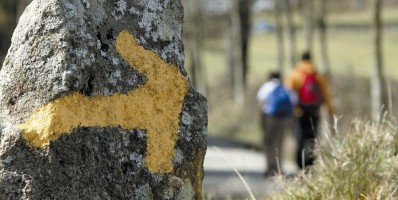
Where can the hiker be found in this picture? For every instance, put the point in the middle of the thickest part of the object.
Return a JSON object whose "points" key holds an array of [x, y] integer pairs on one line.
{"points": [[277, 105], [312, 90]]}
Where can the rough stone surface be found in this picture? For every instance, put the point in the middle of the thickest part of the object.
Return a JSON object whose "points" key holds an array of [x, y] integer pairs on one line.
{"points": [[62, 47]]}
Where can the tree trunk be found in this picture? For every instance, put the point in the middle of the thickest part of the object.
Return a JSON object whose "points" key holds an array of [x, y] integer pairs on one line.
{"points": [[322, 28], [378, 91], [308, 28], [197, 72], [237, 53], [193, 30], [279, 36], [244, 16], [229, 55], [290, 33]]}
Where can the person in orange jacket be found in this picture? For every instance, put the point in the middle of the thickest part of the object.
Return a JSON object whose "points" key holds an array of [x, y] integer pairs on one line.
{"points": [[313, 92]]}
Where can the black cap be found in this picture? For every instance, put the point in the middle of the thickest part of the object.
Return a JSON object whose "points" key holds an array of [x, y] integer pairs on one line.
{"points": [[306, 56], [274, 75]]}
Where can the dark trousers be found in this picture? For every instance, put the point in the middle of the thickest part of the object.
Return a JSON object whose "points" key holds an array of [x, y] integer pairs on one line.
{"points": [[273, 132], [306, 134]]}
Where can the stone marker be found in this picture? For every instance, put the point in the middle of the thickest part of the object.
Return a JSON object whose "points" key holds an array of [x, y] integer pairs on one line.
{"points": [[95, 104]]}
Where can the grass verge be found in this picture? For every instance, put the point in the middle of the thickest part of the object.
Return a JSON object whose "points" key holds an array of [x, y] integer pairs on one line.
{"points": [[362, 163]]}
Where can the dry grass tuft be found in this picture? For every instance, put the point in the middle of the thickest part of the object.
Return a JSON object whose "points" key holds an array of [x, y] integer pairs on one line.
{"points": [[362, 163]]}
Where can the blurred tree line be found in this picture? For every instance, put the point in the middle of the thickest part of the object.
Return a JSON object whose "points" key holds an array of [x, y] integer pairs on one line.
{"points": [[232, 19], [234, 23]]}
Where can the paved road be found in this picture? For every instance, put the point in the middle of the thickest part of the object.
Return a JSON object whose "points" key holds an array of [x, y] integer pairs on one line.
{"points": [[222, 182]]}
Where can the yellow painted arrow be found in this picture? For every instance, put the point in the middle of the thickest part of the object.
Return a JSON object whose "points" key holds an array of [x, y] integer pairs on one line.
{"points": [[154, 106]]}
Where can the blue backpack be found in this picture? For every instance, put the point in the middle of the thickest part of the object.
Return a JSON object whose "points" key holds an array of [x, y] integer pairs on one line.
{"points": [[278, 103]]}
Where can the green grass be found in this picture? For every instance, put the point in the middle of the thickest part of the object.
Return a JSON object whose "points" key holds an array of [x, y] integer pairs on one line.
{"points": [[349, 51], [360, 163], [337, 18], [360, 18]]}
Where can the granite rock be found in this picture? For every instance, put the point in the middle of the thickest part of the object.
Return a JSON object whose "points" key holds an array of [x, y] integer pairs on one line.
{"points": [[96, 104]]}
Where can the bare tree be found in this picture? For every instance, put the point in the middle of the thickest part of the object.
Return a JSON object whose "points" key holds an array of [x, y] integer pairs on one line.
{"points": [[322, 28], [237, 48], [308, 21], [378, 90], [290, 32], [193, 33], [236, 34], [279, 35], [229, 55], [245, 27]]}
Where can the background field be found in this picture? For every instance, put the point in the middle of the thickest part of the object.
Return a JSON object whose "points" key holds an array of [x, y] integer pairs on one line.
{"points": [[351, 60]]}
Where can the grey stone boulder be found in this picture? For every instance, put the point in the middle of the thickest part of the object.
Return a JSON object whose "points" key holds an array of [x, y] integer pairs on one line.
{"points": [[96, 104]]}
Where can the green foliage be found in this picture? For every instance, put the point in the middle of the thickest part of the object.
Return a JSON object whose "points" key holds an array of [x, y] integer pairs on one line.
{"points": [[361, 164]]}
